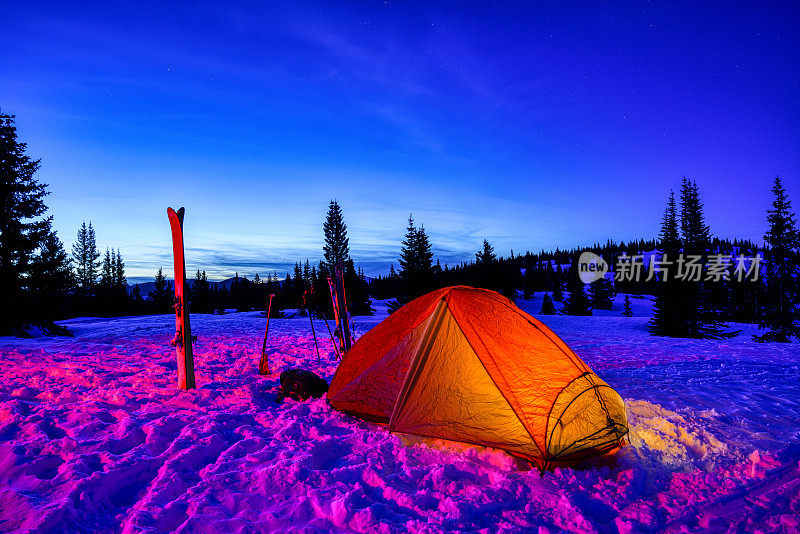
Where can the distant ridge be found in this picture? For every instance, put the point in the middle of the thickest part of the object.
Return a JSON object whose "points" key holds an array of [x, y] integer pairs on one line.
{"points": [[145, 288]]}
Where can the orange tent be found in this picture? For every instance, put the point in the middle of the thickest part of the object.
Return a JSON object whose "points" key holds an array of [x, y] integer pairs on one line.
{"points": [[466, 364]]}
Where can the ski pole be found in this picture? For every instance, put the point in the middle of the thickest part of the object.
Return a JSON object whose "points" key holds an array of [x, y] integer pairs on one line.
{"points": [[263, 365], [334, 302], [335, 347], [313, 333], [341, 301]]}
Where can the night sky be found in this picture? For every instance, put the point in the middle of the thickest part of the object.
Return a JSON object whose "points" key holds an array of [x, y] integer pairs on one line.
{"points": [[532, 127]]}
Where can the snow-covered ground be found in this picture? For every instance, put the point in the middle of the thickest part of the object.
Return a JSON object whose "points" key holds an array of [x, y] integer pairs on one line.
{"points": [[93, 437]]}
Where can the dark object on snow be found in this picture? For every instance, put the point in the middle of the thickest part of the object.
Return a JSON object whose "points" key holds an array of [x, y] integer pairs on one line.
{"points": [[299, 384]]}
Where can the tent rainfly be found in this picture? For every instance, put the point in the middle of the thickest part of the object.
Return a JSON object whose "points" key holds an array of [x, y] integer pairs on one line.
{"points": [[467, 365]]}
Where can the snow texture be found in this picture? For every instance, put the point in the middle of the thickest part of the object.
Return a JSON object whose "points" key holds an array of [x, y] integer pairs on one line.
{"points": [[94, 437]]}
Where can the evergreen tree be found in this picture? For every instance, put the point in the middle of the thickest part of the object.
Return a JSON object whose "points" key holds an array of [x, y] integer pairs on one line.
{"points": [[51, 269], [576, 303], [104, 298], [336, 248], [106, 272], [780, 311], [486, 255], [295, 286], [120, 280], [704, 317], [201, 293], [528, 283], [669, 311], [22, 229], [745, 294], [558, 283], [161, 297], [601, 294], [416, 265], [424, 257], [357, 290], [79, 255], [627, 311], [695, 233], [51, 278], [696, 237], [409, 255], [547, 305], [558, 292], [487, 272], [337, 251], [85, 255]]}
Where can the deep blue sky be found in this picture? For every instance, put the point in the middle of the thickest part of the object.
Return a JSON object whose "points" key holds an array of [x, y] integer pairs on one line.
{"points": [[533, 127]]}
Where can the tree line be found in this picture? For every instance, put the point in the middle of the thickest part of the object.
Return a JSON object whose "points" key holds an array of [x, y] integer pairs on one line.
{"points": [[41, 283], [695, 307]]}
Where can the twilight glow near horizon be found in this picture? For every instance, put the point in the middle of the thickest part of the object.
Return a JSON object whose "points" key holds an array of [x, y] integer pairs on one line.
{"points": [[533, 127]]}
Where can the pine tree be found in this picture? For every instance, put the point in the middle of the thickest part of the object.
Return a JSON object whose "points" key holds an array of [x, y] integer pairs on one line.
{"points": [[704, 318], [85, 255], [409, 266], [93, 256], [106, 272], [576, 303], [558, 292], [296, 286], [408, 252], [669, 311], [120, 280], [424, 256], [486, 255], [51, 269], [627, 311], [337, 252], [487, 272], [79, 255], [695, 236], [336, 246], [51, 278], [529, 283], [547, 305], [558, 283], [358, 302], [201, 293], [780, 313], [161, 297], [104, 290], [416, 265], [601, 294], [22, 229]]}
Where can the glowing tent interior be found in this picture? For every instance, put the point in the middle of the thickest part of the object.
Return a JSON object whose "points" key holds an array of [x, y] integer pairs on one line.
{"points": [[467, 365]]}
